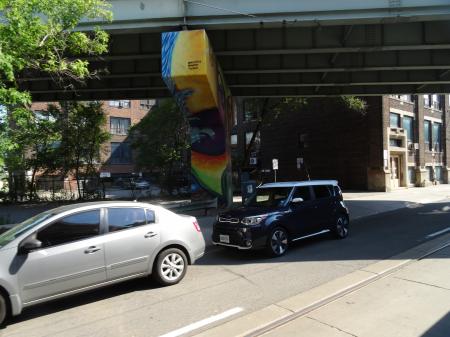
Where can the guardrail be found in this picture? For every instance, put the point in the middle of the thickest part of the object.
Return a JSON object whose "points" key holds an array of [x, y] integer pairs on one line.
{"points": [[193, 206]]}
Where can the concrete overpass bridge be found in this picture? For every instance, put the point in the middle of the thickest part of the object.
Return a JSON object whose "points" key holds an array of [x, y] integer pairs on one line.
{"points": [[265, 48], [277, 48]]}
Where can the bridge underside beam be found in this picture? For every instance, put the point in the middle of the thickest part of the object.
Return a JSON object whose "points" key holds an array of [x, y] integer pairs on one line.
{"points": [[357, 59], [158, 15]]}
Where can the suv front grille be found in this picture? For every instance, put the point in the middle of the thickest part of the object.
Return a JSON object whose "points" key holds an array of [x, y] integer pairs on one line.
{"points": [[229, 220]]}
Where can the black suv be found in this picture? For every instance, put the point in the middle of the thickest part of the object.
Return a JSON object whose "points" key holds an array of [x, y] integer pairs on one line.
{"points": [[279, 213]]}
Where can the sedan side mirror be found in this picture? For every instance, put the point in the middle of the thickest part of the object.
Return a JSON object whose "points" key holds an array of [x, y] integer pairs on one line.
{"points": [[297, 200], [29, 245]]}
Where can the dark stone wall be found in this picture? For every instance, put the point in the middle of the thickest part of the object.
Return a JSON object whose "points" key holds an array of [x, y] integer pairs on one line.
{"points": [[338, 143]]}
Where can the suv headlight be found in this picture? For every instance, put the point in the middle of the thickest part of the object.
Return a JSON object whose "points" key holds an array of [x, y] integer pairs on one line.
{"points": [[254, 220]]}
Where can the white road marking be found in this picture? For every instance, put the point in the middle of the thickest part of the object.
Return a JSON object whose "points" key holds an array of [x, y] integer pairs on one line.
{"points": [[438, 233], [203, 322]]}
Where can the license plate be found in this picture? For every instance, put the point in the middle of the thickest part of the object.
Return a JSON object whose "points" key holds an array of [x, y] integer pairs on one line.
{"points": [[224, 238]]}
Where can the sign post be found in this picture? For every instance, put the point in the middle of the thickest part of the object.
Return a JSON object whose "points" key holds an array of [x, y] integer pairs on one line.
{"points": [[275, 167]]}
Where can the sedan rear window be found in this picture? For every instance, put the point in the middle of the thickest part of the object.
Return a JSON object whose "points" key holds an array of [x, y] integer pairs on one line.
{"points": [[124, 218]]}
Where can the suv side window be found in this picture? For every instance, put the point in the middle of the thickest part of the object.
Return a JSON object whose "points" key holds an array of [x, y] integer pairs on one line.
{"points": [[302, 192], [124, 218], [71, 228], [322, 191]]}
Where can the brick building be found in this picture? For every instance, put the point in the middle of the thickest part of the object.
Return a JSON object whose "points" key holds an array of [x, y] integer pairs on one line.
{"points": [[398, 141], [116, 155]]}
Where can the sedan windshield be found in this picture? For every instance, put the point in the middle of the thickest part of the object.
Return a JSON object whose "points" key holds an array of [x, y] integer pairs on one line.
{"points": [[21, 228], [269, 197]]}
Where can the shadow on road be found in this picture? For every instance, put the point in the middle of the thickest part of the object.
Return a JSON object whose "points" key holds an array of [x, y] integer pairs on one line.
{"points": [[375, 238]]}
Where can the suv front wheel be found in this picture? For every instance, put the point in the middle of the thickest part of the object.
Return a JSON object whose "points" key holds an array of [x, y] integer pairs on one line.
{"points": [[277, 242]]}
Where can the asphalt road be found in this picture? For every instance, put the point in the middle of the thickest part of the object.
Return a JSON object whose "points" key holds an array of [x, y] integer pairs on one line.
{"points": [[224, 280]]}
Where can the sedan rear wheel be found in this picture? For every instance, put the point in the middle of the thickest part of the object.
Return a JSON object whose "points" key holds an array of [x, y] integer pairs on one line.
{"points": [[277, 243], [170, 267]]}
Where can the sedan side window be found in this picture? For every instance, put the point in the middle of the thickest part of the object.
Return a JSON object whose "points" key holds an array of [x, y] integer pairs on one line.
{"points": [[124, 218], [150, 216], [71, 228]]}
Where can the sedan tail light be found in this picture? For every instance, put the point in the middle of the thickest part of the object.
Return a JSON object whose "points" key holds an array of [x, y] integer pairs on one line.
{"points": [[196, 226]]}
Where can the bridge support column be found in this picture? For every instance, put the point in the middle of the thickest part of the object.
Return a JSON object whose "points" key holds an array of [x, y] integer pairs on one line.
{"points": [[192, 74]]}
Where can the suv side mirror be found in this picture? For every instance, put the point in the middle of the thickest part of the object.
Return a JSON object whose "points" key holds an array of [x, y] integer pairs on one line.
{"points": [[297, 200], [29, 245]]}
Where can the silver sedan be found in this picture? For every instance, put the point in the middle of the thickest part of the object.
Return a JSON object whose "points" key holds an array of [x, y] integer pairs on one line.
{"points": [[79, 247]]}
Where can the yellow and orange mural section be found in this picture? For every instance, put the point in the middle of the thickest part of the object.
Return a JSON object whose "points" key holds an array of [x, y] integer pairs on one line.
{"points": [[191, 72]]}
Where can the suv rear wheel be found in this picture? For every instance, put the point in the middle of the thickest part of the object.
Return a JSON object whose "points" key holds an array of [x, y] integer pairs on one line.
{"points": [[277, 242], [341, 226]]}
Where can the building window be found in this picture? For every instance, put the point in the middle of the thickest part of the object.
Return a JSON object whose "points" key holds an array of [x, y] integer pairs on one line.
{"points": [[395, 142], [427, 134], [394, 120], [248, 138], [233, 140], [120, 104], [427, 101], [147, 104], [120, 153], [411, 175], [438, 173], [119, 126], [437, 137], [405, 98], [251, 109], [408, 125], [436, 102]]}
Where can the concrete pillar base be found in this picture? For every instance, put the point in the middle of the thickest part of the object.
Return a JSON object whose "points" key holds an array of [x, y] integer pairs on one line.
{"points": [[446, 174], [422, 178], [378, 179]]}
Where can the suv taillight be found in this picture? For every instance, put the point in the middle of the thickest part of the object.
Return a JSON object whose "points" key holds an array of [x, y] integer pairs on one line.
{"points": [[196, 226]]}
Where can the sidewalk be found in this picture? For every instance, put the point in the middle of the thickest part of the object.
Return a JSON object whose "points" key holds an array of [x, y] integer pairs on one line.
{"points": [[412, 302], [407, 295]]}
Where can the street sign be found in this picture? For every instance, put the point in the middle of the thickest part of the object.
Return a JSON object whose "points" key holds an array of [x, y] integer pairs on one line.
{"points": [[105, 174], [275, 164]]}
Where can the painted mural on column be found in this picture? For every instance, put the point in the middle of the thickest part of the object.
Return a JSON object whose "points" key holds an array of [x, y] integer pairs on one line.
{"points": [[191, 72]]}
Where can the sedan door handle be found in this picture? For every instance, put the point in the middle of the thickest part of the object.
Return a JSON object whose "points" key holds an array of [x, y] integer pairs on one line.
{"points": [[91, 250], [150, 235]]}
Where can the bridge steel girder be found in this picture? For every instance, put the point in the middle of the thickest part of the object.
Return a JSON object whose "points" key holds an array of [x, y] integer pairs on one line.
{"points": [[163, 15], [384, 58]]}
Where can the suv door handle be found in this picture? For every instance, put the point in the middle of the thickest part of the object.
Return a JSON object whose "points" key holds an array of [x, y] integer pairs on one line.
{"points": [[150, 235], [92, 250]]}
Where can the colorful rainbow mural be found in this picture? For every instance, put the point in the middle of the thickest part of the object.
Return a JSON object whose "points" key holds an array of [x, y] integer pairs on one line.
{"points": [[191, 72]]}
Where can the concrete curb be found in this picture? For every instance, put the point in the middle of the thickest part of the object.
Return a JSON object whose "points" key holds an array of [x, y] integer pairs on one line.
{"points": [[280, 313]]}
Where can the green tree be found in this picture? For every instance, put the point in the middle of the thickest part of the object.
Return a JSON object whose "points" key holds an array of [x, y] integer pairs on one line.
{"points": [[161, 140], [82, 128], [39, 36], [37, 137]]}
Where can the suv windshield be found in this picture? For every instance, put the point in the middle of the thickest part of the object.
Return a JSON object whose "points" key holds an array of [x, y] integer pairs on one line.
{"points": [[269, 197], [19, 229]]}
